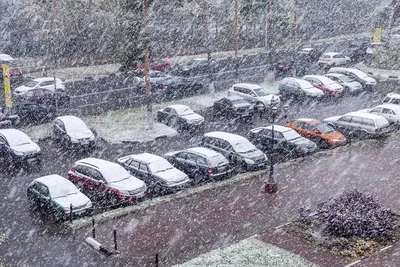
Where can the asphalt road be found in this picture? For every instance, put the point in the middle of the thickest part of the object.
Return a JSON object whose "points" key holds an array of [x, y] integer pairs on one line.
{"points": [[210, 221]]}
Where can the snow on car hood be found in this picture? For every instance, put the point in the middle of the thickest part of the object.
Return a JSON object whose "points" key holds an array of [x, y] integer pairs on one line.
{"points": [[252, 154], [193, 117], [26, 148], [303, 142], [22, 89], [77, 200], [269, 98], [313, 91], [369, 80], [81, 135], [334, 86], [129, 184], [172, 175]]}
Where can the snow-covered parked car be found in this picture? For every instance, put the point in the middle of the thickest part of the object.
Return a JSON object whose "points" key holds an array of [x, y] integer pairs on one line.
{"points": [[255, 94], [71, 131], [367, 81], [360, 124], [45, 82], [390, 111], [56, 195], [159, 175], [17, 148], [294, 87], [325, 84], [180, 117], [107, 181], [349, 84], [392, 98], [333, 59]]}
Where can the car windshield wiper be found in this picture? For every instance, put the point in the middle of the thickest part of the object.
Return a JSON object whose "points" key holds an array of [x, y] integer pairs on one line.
{"points": [[164, 170]]}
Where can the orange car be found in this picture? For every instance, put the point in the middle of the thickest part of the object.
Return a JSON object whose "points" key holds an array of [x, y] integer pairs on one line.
{"points": [[319, 132]]}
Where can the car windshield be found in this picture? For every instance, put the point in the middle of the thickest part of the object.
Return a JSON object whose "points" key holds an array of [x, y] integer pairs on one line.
{"points": [[244, 146], [73, 126], [260, 92], [359, 73], [238, 101], [291, 135], [31, 84], [115, 173], [63, 190], [346, 79], [160, 166], [325, 128]]}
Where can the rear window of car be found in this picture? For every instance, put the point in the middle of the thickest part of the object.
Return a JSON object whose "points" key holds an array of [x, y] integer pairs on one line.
{"points": [[217, 160]]}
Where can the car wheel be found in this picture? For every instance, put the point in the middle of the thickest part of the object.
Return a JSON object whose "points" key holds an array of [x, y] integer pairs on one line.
{"points": [[259, 107], [242, 167], [323, 143], [197, 178]]}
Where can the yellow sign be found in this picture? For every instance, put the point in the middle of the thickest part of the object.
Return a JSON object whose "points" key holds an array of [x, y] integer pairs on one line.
{"points": [[7, 86], [291, 17], [377, 36]]}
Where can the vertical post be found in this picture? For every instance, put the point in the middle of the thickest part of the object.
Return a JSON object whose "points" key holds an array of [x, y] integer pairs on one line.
{"points": [[236, 39], [157, 260], [269, 27], [53, 46], [115, 240], [93, 228], [147, 67], [208, 45], [70, 213], [271, 168]]}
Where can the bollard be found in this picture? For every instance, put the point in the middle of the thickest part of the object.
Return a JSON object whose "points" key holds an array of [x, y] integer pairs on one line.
{"points": [[157, 260], [70, 213], [93, 229], [115, 240]]}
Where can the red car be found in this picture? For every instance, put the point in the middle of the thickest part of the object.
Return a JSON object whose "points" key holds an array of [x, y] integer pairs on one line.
{"points": [[157, 64], [107, 180], [325, 84]]}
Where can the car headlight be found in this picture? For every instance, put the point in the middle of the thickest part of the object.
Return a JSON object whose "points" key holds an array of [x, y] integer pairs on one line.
{"points": [[124, 192], [92, 137], [89, 204], [249, 161], [18, 153]]}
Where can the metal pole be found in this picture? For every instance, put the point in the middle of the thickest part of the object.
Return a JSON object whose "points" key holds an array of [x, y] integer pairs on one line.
{"points": [[271, 169], [270, 21], [236, 39], [147, 68], [157, 260], [70, 213], [93, 228], [115, 240]]}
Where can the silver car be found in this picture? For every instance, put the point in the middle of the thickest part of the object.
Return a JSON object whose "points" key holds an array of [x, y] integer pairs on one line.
{"points": [[390, 111], [349, 84], [360, 124]]}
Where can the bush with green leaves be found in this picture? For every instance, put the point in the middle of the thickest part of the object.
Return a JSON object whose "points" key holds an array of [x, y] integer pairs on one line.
{"points": [[356, 214]]}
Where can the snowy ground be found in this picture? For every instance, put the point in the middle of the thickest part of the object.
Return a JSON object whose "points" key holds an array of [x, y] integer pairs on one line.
{"points": [[130, 125], [249, 252]]}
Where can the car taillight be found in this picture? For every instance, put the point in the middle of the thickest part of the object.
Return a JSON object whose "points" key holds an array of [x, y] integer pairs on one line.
{"points": [[287, 65], [165, 86], [209, 171]]}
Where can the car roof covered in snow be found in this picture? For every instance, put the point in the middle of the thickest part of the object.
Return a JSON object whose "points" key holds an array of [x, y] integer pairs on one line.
{"points": [[179, 108], [391, 106], [145, 157], [231, 138], [248, 85], [364, 115], [102, 165], [12, 134], [331, 54], [279, 128], [322, 78], [53, 180], [5, 57], [204, 151]]}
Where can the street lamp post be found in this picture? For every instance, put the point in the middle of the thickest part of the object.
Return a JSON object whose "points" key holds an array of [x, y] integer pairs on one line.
{"points": [[271, 186]]}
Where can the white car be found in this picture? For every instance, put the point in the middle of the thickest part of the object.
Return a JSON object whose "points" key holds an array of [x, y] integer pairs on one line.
{"points": [[390, 111], [71, 130], [333, 59], [17, 147], [55, 195], [255, 94], [46, 82], [358, 75], [392, 98], [325, 84], [349, 84]]}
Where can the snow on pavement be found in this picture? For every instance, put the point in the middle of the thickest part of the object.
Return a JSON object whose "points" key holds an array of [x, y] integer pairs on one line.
{"points": [[249, 252]]}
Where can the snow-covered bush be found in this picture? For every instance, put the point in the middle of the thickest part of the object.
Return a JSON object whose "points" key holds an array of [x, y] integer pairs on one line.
{"points": [[356, 214]]}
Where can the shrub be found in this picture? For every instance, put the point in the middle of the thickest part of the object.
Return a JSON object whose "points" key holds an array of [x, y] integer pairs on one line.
{"points": [[356, 214]]}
